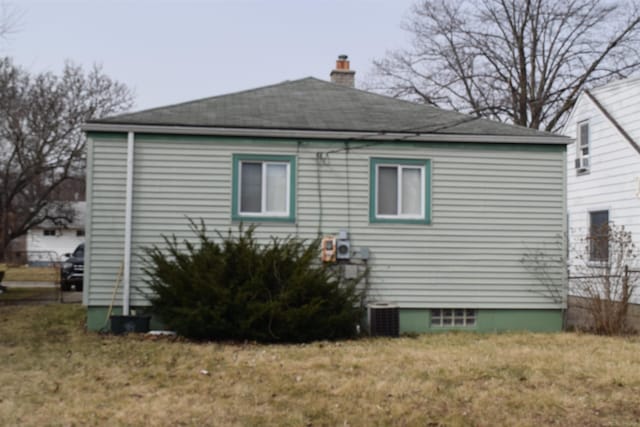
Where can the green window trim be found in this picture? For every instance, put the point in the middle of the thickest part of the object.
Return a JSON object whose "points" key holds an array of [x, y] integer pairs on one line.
{"points": [[373, 167], [236, 215]]}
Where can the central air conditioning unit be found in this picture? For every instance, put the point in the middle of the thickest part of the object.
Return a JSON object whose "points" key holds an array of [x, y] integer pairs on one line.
{"points": [[384, 319]]}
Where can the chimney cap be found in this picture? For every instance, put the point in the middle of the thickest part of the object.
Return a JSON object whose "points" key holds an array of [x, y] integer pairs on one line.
{"points": [[343, 57]]}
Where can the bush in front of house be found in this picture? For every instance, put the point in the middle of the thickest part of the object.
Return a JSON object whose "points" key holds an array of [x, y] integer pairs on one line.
{"points": [[238, 289]]}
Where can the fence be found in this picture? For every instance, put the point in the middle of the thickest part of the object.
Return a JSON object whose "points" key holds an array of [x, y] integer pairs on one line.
{"points": [[604, 300], [33, 277]]}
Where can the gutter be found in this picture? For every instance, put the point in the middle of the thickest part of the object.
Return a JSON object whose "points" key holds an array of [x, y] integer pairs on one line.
{"points": [[319, 134], [128, 213]]}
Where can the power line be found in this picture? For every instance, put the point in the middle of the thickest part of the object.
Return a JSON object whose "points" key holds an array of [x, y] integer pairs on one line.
{"points": [[403, 138]]}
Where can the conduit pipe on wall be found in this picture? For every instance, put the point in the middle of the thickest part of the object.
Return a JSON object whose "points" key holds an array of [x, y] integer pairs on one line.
{"points": [[126, 271]]}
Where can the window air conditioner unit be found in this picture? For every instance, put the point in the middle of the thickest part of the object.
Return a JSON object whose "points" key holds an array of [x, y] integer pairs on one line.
{"points": [[384, 319], [582, 164]]}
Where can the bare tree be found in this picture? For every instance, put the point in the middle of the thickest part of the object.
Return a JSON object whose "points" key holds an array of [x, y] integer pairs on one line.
{"points": [[600, 273], [41, 144], [10, 19], [518, 61], [546, 263]]}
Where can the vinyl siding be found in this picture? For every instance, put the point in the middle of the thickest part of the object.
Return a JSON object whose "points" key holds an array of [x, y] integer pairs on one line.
{"points": [[615, 165], [488, 208], [106, 180]]}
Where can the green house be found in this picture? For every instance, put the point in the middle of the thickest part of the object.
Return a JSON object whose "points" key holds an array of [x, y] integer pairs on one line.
{"points": [[440, 206]]}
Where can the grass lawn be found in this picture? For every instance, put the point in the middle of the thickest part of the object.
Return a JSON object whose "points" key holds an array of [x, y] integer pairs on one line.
{"points": [[25, 294], [25, 273], [52, 372]]}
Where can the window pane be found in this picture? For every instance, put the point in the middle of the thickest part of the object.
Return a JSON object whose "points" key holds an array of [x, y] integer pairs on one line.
{"points": [[584, 135], [251, 187], [411, 198], [276, 188], [387, 190], [599, 236]]}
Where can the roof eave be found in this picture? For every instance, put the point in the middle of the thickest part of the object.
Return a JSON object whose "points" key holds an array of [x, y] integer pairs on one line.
{"points": [[322, 134]]}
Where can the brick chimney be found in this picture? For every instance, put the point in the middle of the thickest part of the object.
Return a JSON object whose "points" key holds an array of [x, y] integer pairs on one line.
{"points": [[342, 75]]}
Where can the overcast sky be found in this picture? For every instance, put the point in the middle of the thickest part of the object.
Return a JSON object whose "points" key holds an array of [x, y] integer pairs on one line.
{"points": [[171, 51]]}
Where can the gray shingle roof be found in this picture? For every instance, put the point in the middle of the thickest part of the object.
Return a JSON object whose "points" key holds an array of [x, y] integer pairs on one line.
{"points": [[313, 104]]}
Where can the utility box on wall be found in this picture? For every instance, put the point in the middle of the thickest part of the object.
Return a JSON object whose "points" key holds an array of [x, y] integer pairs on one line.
{"points": [[343, 246], [328, 249]]}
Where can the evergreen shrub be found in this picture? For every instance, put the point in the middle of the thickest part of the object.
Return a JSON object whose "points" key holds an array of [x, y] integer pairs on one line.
{"points": [[238, 289]]}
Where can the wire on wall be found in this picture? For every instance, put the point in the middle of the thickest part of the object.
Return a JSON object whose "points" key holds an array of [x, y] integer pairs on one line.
{"points": [[297, 217], [319, 160], [322, 158], [346, 159], [415, 131]]}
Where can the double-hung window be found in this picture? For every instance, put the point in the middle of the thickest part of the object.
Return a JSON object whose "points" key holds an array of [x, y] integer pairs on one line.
{"points": [[400, 190], [583, 157], [263, 187]]}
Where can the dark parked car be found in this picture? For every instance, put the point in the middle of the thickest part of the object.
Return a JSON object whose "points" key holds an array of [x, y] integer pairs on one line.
{"points": [[71, 272]]}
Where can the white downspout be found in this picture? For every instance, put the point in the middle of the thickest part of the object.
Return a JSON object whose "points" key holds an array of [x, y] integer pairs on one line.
{"points": [[126, 270]]}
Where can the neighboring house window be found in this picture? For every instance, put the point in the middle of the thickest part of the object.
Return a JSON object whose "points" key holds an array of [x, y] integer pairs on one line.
{"points": [[400, 191], [263, 187], [452, 317], [49, 232], [583, 157], [79, 233], [599, 236]]}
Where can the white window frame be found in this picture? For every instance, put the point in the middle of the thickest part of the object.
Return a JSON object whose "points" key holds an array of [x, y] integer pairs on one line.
{"points": [[468, 319], [579, 147], [263, 202], [595, 260], [399, 167]]}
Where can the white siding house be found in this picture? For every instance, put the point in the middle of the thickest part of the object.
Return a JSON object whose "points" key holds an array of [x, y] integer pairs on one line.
{"points": [[48, 242], [603, 164], [479, 195]]}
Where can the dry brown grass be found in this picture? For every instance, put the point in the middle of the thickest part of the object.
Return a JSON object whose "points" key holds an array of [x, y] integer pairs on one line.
{"points": [[54, 373], [29, 294], [25, 273]]}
